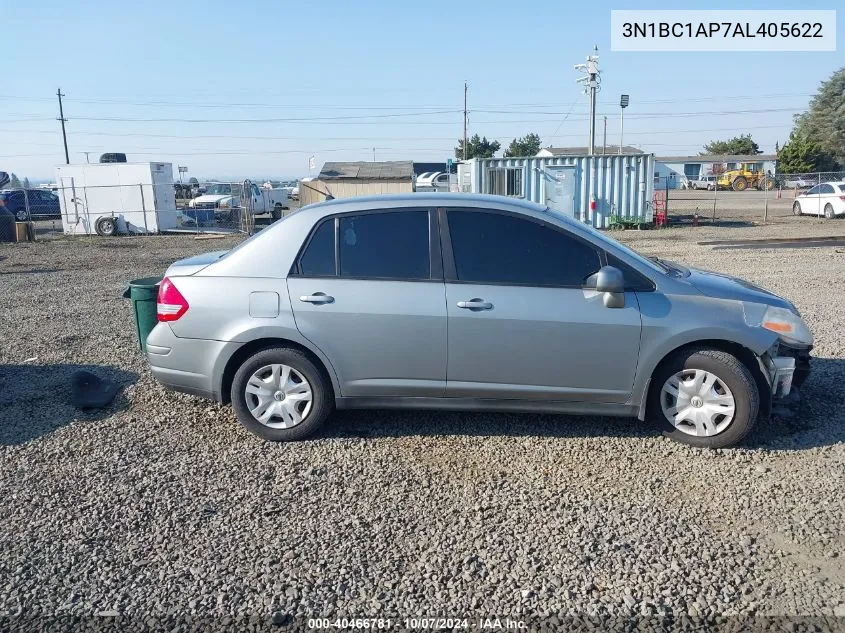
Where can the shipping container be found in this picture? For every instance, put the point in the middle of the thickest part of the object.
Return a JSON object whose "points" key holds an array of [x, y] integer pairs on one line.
{"points": [[139, 197], [591, 189]]}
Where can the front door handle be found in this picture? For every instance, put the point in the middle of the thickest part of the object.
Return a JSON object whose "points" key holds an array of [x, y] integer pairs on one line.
{"points": [[475, 304], [318, 298]]}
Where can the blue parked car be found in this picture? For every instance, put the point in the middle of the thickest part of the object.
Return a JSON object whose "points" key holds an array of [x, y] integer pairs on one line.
{"points": [[43, 204]]}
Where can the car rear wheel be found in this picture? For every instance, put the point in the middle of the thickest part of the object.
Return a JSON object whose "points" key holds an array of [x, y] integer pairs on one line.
{"points": [[705, 398], [280, 395], [21, 215], [796, 208], [828, 211]]}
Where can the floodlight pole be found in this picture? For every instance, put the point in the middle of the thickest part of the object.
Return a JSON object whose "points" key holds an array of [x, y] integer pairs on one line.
{"points": [[623, 103]]}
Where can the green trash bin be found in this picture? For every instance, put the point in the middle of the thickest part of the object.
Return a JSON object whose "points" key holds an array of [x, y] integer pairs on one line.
{"points": [[144, 293]]}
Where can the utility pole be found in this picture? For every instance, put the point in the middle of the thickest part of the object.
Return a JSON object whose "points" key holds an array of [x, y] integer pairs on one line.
{"points": [[374, 154], [623, 103], [63, 120], [591, 87], [465, 120], [604, 143]]}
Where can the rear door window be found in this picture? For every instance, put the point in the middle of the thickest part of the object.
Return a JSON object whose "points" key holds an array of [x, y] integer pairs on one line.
{"points": [[318, 260], [389, 245]]}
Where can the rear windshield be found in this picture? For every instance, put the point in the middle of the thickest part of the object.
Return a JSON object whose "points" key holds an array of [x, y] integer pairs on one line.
{"points": [[842, 187]]}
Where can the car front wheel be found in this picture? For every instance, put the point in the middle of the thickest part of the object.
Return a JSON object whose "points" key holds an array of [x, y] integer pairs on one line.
{"points": [[796, 208], [280, 395], [704, 397], [828, 211]]}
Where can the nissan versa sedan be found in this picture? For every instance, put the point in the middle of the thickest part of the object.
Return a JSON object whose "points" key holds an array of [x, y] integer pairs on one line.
{"points": [[459, 301]]}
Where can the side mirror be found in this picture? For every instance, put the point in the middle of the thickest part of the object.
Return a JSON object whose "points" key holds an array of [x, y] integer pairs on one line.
{"points": [[610, 281]]}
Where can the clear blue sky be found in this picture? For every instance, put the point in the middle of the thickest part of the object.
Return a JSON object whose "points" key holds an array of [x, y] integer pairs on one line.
{"points": [[387, 75]]}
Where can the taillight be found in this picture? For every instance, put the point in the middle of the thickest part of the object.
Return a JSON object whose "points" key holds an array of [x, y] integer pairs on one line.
{"points": [[842, 198], [171, 304]]}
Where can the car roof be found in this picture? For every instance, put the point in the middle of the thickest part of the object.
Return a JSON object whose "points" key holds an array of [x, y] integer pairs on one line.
{"points": [[422, 199]]}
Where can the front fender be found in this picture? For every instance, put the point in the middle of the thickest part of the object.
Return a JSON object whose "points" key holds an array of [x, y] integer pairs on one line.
{"points": [[670, 323]]}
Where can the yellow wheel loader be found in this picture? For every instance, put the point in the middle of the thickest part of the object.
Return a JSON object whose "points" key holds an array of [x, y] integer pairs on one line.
{"points": [[744, 177]]}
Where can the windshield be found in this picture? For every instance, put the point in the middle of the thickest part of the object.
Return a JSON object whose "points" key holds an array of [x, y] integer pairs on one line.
{"points": [[219, 190]]}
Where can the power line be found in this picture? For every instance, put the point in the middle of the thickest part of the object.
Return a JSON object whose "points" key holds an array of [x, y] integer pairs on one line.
{"points": [[287, 105]]}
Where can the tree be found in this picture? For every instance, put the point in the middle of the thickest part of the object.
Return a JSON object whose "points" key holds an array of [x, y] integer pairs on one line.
{"points": [[801, 155], [477, 148], [14, 183], [26, 183], [742, 145], [824, 122], [528, 145]]}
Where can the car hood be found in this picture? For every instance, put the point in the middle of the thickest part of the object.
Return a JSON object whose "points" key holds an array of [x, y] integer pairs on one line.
{"points": [[721, 286], [210, 198], [191, 265]]}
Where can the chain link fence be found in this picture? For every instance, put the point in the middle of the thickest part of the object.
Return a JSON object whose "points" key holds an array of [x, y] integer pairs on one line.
{"points": [[147, 209], [762, 198]]}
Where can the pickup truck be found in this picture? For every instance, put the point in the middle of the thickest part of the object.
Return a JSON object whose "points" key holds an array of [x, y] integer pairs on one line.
{"points": [[223, 197]]}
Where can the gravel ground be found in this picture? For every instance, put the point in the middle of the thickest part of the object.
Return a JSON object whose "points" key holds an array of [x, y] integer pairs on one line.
{"points": [[162, 506]]}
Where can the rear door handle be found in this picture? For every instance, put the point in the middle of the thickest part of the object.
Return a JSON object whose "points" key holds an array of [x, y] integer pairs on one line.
{"points": [[475, 304], [317, 297]]}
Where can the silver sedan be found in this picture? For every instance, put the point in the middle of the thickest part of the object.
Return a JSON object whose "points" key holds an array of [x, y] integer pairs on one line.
{"points": [[458, 301]]}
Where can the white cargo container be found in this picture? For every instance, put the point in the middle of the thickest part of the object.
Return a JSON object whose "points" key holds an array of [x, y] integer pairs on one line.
{"points": [[123, 197]]}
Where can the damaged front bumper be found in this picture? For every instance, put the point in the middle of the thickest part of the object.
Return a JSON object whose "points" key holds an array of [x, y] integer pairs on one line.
{"points": [[786, 367]]}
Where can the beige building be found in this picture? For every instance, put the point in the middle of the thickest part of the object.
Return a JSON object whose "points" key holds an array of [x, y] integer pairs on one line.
{"points": [[348, 180]]}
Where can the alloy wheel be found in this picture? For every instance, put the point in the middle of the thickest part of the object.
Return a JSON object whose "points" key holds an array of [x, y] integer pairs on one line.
{"points": [[697, 402]]}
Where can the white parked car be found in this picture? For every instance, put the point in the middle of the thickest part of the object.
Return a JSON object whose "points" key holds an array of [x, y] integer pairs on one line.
{"points": [[433, 181], [827, 198], [223, 197], [703, 182]]}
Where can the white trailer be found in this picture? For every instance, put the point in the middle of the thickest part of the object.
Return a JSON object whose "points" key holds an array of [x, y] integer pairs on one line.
{"points": [[109, 198]]}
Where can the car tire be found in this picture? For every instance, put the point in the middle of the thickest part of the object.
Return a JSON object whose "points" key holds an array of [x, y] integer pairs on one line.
{"points": [[105, 226], [276, 213], [796, 208], [828, 211], [733, 380], [20, 216], [302, 367]]}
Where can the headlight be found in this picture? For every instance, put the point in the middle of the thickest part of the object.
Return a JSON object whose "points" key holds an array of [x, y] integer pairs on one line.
{"points": [[224, 204], [783, 322]]}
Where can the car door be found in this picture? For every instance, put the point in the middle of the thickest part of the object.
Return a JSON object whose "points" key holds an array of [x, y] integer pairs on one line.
{"points": [[521, 323], [37, 204], [827, 196], [259, 200], [368, 291], [811, 201]]}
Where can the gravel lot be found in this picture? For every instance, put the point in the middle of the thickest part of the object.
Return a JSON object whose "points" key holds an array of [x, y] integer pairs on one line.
{"points": [[162, 506]]}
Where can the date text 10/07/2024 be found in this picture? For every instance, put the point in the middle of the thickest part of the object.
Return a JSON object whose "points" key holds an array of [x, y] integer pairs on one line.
{"points": [[722, 29], [418, 624]]}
